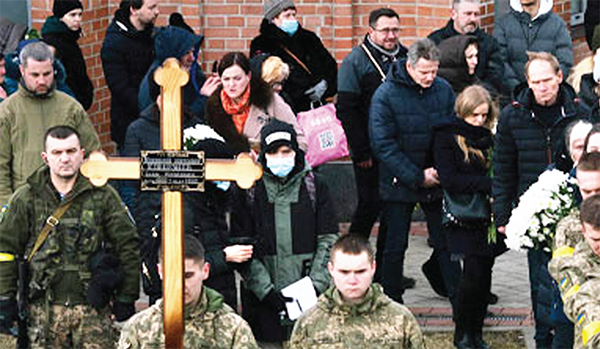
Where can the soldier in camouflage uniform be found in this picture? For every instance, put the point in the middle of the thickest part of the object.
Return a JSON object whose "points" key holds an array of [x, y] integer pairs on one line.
{"points": [[355, 313], [580, 283], [209, 322], [60, 272]]}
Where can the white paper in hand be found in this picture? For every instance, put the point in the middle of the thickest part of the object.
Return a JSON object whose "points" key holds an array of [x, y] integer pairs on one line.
{"points": [[304, 295]]}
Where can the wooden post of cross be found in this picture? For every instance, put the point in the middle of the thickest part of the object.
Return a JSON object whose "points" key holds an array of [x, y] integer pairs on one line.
{"points": [[172, 171]]}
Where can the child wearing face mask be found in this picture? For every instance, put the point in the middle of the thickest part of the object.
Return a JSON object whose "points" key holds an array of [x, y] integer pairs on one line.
{"points": [[289, 213]]}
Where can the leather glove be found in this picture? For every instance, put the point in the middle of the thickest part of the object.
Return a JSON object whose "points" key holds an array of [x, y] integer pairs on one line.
{"points": [[123, 310], [316, 92], [276, 300], [8, 315]]}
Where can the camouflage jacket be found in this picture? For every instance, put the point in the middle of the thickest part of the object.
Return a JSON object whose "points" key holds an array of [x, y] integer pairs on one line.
{"points": [[59, 270], [580, 288], [567, 236], [375, 322], [212, 324]]}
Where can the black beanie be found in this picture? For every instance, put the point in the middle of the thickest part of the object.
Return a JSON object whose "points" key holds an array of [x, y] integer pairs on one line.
{"points": [[62, 7], [275, 134]]}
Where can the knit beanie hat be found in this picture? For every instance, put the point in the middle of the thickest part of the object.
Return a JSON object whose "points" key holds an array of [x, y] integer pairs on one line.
{"points": [[274, 7], [62, 7], [275, 134], [596, 39]]}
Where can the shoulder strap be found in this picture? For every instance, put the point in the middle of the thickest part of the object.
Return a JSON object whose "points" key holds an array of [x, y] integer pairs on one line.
{"points": [[51, 222], [370, 55], [296, 59]]}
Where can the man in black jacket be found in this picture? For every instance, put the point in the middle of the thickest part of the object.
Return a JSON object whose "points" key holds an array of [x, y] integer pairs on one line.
{"points": [[466, 20], [127, 52], [313, 71], [362, 71], [530, 136]]}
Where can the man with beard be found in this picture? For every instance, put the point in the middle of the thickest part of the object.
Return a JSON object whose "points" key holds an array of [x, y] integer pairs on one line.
{"points": [[27, 114], [127, 53], [465, 21], [362, 71]]}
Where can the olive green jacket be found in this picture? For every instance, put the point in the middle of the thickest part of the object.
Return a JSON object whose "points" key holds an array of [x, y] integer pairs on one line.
{"points": [[24, 119], [59, 270]]}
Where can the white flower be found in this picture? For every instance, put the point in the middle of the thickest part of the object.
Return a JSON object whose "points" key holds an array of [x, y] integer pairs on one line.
{"points": [[199, 132]]}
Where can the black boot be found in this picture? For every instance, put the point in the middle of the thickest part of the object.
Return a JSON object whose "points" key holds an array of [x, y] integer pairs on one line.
{"points": [[479, 342], [466, 342], [432, 272]]}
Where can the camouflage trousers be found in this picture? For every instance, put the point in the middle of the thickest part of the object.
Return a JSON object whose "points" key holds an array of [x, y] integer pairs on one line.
{"points": [[79, 326]]}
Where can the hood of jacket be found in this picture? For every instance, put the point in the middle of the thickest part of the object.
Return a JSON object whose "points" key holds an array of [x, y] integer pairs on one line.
{"points": [[171, 41], [54, 26], [121, 24], [545, 7], [453, 53], [331, 302], [272, 32]]}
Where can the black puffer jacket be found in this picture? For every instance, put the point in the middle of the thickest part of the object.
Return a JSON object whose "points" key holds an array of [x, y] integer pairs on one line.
{"points": [[587, 90], [402, 117], [126, 56], [307, 47], [453, 63], [524, 146], [357, 81], [64, 40], [490, 69]]}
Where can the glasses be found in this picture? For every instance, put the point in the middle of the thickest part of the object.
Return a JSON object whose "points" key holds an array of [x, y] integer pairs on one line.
{"points": [[387, 31]]}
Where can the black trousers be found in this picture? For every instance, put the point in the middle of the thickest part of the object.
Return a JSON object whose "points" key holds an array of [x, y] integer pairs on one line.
{"points": [[470, 305]]}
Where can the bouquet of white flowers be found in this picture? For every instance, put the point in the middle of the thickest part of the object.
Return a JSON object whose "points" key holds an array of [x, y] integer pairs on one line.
{"points": [[199, 132], [533, 222]]}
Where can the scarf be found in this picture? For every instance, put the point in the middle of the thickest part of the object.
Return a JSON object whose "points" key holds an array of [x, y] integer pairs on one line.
{"points": [[238, 111]]}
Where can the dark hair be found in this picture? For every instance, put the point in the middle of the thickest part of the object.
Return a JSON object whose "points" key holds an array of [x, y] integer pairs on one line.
{"points": [[233, 58], [60, 132], [589, 162], [381, 12], [352, 244], [192, 249], [131, 4], [595, 129], [590, 211]]}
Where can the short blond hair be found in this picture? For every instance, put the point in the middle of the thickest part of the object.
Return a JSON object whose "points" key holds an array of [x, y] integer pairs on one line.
{"points": [[541, 56], [274, 69]]}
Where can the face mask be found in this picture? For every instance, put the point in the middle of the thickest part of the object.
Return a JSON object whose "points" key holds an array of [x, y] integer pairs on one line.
{"points": [[223, 185], [596, 70], [281, 167], [290, 26]]}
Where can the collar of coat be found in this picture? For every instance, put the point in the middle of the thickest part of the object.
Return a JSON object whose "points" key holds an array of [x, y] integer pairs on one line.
{"points": [[374, 299]]}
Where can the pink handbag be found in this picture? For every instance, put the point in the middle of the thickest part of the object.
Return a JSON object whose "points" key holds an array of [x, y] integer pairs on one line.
{"points": [[324, 134]]}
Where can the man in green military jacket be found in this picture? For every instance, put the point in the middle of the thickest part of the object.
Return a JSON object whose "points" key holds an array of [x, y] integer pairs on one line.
{"points": [[90, 256], [355, 313], [209, 322]]}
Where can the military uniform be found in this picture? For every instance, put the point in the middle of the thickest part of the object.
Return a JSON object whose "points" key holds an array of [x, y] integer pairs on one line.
{"points": [[59, 273], [580, 287], [567, 236], [211, 324], [375, 322]]}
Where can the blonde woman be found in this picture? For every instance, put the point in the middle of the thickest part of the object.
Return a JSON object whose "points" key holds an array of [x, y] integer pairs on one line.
{"points": [[461, 159]]}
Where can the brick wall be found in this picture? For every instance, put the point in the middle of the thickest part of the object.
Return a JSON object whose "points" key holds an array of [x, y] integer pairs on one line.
{"points": [[230, 25]]}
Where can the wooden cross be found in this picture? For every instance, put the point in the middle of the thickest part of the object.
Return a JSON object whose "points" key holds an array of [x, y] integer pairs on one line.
{"points": [[243, 170]]}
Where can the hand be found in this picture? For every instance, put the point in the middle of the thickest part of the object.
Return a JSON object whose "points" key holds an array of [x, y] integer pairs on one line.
{"points": [[316, 92], [238, 253], [431, 178], [8, 315], [501, 230], [365, 164], [123, 310], [210, 85]]}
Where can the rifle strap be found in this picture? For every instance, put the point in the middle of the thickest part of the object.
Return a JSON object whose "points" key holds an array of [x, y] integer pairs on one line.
{"points": [[51, 222], [370, 55], [296, 59]]}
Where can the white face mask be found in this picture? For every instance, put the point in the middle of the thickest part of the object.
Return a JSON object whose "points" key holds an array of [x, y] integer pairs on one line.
{"points": [[596, 71]]}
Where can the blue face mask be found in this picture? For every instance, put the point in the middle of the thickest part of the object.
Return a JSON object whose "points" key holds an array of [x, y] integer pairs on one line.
{"points": [[223, 185], [290, 26], [281, 167]]}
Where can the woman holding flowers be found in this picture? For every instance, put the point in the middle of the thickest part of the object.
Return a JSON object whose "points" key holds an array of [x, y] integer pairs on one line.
{"points": [[461, 159], [244, 103]]}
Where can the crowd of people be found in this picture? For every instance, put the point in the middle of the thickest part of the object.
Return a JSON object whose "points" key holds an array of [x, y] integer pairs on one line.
{"points": [[460, 123]]}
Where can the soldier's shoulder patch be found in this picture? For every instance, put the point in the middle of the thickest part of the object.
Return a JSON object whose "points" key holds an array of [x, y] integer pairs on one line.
{"points": [[3, 212]]}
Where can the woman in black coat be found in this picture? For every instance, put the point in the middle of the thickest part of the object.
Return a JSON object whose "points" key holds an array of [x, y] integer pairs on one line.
{"points": [[61, 31], [461, 159]]}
